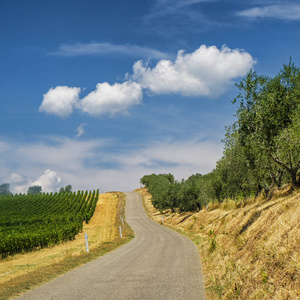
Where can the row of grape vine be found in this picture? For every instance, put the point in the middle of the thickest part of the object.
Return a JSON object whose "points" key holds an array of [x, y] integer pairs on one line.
{"points": [[28, 222]]}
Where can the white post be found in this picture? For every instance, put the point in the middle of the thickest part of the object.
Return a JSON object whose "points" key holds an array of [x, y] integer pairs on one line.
{"points": [[86, 242], [120, 230]]}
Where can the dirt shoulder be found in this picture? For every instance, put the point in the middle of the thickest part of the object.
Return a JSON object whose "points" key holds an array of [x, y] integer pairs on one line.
{"points": [[248, 250]]}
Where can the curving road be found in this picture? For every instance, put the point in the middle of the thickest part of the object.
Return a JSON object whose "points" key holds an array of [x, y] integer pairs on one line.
{"points": [[157, 264]]}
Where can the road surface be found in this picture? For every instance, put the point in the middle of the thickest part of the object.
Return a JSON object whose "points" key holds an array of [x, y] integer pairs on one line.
{"points": [[157, 264]]}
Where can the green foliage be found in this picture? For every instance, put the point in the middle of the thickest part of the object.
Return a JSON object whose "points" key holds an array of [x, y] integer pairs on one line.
{"points": [[36, 189], [169, 194], [41, 220], [213, 245], [149, 178], [66, 189], [4, 189], [261, 148], [265, 118]]}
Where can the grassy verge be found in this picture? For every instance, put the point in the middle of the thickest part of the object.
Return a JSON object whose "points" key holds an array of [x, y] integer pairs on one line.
{"points": [[248, 250], [20, 284]]}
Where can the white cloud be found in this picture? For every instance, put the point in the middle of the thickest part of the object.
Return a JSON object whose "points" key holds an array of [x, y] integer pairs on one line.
{"points": [[108, 48], [183, 158], [19, 188], [70, 158], [19, 183], [49, 181], [112, 98], [91, 164], [290, 12], [80, 129], [17, 178], [57, 153], [60, 101], [165, 8], [206, 72]]}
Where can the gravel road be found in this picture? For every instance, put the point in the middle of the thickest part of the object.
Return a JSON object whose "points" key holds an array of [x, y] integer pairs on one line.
{"points": [[157, 264]]}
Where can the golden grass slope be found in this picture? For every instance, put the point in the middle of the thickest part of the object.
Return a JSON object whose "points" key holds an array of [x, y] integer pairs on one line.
{"points": [[248, 250]]}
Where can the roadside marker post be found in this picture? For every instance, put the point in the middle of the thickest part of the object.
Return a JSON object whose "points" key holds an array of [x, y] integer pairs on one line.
{"points": [[86, 242]]}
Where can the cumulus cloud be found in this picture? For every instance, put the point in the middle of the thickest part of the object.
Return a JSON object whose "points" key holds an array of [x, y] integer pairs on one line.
{"points": [[19, 183], [112, 98], [208, 71], [290, 12], [17, 178], [60, 101], [81, 49], [49, 181], [205, 72]]}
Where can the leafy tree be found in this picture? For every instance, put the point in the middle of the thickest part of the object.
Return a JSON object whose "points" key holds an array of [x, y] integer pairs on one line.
{"points": [[36, 189], [4, 189], [66, 189], [287, 146], [261, 148], [173, 196], [266, 109], [158, 188], [170, 177]]}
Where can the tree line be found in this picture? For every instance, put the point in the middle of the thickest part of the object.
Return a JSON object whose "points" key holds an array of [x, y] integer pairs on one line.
{"points": [[35, 189], [261, 147]]}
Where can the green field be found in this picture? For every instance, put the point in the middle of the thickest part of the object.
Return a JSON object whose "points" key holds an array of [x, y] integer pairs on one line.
{"points": [[42, 220]]}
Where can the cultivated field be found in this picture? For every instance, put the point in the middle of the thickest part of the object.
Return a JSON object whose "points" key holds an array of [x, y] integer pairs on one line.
{"points": [[35, 221], [18, 272]]}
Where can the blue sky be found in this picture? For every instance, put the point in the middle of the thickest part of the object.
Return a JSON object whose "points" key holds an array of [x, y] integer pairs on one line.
{"points": [[99, 93]]}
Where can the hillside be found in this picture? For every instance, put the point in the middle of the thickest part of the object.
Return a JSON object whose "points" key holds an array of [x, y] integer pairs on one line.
{"points": [[21, 272], [249, 250]]}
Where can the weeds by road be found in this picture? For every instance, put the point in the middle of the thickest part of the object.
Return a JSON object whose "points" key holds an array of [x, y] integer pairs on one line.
{"points": [[249, 250]]}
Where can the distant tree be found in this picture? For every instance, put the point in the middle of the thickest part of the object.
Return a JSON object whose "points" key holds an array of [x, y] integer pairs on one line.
{"points": [[66, 189], [36, 189], [4, 189]]}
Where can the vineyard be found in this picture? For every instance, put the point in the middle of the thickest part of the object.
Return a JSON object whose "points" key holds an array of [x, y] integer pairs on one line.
{"points": [[42, 220]]}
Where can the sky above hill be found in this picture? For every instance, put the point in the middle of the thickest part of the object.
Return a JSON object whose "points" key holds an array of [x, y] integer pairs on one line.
{"points": [[97, 94]]}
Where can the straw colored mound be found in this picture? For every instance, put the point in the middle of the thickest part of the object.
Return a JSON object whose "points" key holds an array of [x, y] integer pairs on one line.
{"points": [[101, 228], [249, 250]]}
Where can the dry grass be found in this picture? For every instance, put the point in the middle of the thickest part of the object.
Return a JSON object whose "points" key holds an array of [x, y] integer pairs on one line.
{"points": [[21, 272], [248, 250]]}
